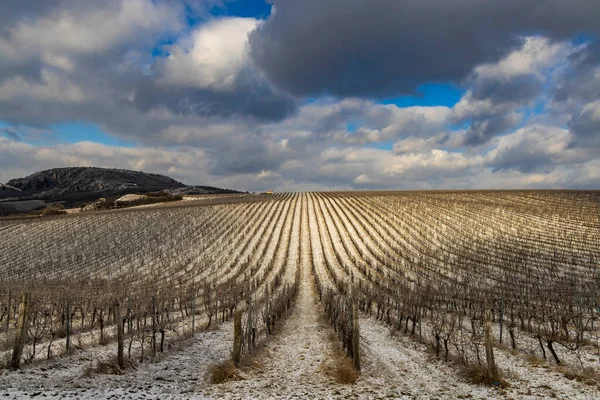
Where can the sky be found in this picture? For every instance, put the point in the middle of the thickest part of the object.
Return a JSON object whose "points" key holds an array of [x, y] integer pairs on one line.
{"points": [[297, 95]]}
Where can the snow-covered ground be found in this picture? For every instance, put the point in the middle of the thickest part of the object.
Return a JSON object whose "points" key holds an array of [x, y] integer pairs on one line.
{"points": [[292, 365], [180, 374]]}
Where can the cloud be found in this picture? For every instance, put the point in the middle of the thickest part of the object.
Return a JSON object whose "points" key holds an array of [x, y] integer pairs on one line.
{"points": [[210, 58], [51, 88], [586, 125], [403, 122], [209, 73], [252, 98], [67, 60], [417, 145], [114, 82], [529, 158], [367, 168], [67, 33], [499, 92], [328, 120], [361, 48], [575, 98], [534, 148], [579, 82]]}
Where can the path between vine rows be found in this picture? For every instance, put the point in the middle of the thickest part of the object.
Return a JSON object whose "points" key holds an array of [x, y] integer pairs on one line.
{"points": [[292, 359]]}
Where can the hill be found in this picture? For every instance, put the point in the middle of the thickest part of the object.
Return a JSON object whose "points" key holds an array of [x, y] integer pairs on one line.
{"points": [[74, 186]]}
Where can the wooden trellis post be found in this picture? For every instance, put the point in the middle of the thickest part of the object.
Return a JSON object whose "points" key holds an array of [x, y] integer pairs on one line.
{"points": [[21, 335], [355, 335], [154, 322], [129, 316], [489, 347], [236, 354], [8, 311], [193, 312], [68, 325], [119, 321], [501, 318], [419, 318]]}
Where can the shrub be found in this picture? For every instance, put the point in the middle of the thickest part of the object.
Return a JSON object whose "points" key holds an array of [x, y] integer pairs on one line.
{"points": [[588, 375], [110, 367], [342, 370], [224, 372], [345, 373], [478, 375], [55, 209], [535, 360]]}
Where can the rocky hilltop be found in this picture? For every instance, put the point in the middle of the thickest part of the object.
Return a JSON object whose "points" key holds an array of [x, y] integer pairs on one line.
{"points": [[77, 182], [74, 186]]}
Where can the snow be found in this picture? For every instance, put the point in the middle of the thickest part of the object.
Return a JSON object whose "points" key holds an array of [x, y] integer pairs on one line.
{"points": [[178, 375], [128, 198], [405, 364]]}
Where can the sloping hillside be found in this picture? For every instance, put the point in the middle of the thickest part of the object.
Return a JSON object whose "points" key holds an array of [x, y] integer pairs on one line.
{"points": [[74, 186], [63, 183]]}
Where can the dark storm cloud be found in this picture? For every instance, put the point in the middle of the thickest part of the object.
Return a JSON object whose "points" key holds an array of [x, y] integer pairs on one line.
{"points": [[13, 10], [386, 47]]}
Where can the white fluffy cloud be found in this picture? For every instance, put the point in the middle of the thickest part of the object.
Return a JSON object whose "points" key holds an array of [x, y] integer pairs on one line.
{"points": [[533, 148], [211, 57], [535, 55]]}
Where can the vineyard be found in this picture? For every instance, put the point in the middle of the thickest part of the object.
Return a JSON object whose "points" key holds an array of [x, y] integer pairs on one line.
{"points": [[483, 294]]}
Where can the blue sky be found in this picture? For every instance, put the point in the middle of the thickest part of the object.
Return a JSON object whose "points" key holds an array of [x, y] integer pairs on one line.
{"points": [[430, 94], [244, 8], [68, 132], [75, 131], [306, 97]]}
